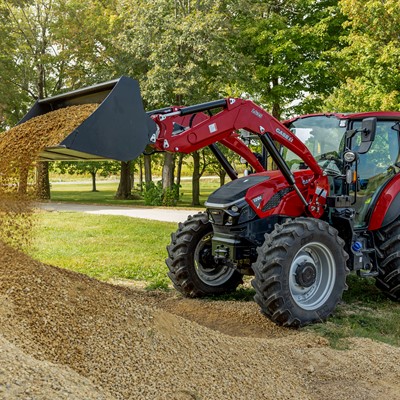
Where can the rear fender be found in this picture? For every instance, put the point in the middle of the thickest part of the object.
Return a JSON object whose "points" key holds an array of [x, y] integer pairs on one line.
{"points": [[387, 206]]}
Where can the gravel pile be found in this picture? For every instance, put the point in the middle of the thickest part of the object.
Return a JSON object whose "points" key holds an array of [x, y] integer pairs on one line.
{"points": [[24, 377], [133, 350], [72, 333]]}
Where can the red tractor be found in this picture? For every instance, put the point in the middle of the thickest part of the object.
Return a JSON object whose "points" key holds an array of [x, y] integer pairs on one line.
{"points": [[332, 205]]}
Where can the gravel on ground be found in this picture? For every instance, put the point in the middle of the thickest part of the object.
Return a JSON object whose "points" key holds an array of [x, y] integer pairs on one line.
{"points": [[64, 335]]}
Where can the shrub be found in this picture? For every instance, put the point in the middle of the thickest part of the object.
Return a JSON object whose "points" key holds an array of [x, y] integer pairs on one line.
{"points": [[155, 195]]}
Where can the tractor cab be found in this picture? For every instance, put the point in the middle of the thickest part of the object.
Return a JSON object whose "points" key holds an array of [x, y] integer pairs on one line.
{"points": [[374, 140], [377, 163]]}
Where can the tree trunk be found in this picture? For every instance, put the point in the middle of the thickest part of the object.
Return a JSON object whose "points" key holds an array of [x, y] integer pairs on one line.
{"points": [[276, 110], [222, 176], [132, 180], [94, 188], [196, 179], [140, 174], [147, 169], [124, 191], [168, 171], [42, 180]]}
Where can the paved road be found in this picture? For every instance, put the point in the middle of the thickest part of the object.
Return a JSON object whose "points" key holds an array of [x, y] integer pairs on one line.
{"points": [[158, 214]]}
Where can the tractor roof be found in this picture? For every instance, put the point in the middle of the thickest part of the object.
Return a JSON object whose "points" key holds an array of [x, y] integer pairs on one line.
{"points": [[359, 115]]}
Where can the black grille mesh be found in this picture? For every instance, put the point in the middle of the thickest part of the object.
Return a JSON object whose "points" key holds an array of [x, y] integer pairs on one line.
{"points": [[276, 199]]}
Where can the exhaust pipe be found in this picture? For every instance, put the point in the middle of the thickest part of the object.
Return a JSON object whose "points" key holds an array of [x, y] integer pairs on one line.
{"points": [[119, 129]]}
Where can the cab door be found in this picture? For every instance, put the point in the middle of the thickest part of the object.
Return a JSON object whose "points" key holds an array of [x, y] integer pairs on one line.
{"points": [[375, 168]]}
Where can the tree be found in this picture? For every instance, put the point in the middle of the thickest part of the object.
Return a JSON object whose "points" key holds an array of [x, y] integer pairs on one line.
{"points": [[86, 30], [104, 168], [184, 61], [179, 166], [289, 46], [124, 191], [34, 60], [30, 56], [168, 170], [369, 67], [147, 169]]}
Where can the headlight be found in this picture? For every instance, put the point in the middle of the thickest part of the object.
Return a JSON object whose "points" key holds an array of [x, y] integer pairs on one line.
{"points": [[235, 208], [349, 156]]}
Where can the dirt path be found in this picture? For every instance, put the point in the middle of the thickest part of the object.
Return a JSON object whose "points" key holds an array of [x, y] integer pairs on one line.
{"points": [[66, 336], [153, 213]]}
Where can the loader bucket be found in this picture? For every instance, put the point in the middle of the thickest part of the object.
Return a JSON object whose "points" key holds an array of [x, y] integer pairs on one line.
{"points": [[119, 129]]}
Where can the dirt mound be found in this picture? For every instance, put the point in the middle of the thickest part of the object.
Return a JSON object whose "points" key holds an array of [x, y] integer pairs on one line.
{"points": [[123, 344]]}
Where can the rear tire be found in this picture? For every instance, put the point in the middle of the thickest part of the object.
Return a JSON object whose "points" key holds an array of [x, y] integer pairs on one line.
{"points": [[300, 272], [192, 268], [388, 280]]}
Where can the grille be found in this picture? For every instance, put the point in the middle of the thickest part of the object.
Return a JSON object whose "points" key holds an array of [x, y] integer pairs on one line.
{"points": [[276, 199]]}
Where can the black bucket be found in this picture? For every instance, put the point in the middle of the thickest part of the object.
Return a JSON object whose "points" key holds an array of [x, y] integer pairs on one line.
{"points": [[119, 129]]}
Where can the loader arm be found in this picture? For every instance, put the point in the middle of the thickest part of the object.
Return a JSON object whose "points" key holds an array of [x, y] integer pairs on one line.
{"points": [[180, 124], [221, 127]]}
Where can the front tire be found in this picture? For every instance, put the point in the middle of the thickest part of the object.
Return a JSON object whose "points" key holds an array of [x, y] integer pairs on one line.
{"points": [[300, 272], [192, 268], [388, 279]]}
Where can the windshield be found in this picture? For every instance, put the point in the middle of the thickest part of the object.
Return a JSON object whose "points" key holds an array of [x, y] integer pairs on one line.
{"points": [[323, 136]]}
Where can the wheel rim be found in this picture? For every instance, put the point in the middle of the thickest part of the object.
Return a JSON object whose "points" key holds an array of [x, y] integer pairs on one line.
{"points": [[312, 276], [207, 270]]}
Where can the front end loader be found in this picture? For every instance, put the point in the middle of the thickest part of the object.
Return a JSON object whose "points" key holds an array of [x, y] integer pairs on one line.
{"points": [[331, 206], [118, 129]]}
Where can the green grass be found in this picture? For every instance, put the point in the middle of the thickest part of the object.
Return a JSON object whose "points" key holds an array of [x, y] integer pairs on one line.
{"points": [[104, 247], [116, 247], [364, 312], [82, 193]]}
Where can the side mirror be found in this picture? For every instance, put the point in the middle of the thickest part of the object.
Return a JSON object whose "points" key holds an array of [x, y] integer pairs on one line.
{"points": [[368, 130]]}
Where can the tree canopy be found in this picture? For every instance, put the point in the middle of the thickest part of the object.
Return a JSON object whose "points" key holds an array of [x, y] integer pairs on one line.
{"points": [[290, 47], [369, 63], [291, 56], [297, 56]]}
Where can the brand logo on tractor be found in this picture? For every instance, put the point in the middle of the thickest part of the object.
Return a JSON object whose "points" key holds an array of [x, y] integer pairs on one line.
{"points": [[257, 201], [256, 113], [283, 134]]}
